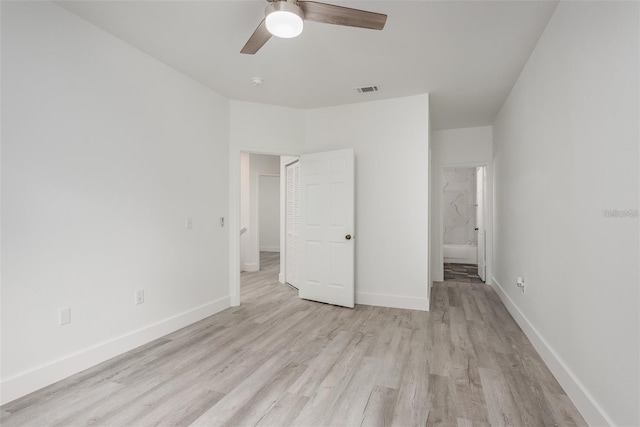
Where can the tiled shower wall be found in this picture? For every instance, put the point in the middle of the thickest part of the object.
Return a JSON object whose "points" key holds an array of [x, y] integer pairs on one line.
{"points": [[459, 206]]}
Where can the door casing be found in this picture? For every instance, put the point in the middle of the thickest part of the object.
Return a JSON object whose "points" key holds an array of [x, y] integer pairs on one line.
{"points": [[233, 221], [438, 223]]}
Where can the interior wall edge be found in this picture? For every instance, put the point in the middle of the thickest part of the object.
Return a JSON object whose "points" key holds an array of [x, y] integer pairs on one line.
{"points": [[250, 267], [27, 382], [581, 398], [392, 301]]}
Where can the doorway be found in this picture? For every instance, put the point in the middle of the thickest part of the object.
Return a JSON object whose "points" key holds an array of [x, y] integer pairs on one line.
{"points": [[463, 231], [269, 185], [259, 211], [326, 255], [292, 222]]}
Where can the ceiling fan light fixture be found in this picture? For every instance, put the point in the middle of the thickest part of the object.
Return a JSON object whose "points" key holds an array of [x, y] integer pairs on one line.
{"points": [[284, 19]]}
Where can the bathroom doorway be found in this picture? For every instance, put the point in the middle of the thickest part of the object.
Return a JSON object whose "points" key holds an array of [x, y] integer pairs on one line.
{"points": [[463, 223]]}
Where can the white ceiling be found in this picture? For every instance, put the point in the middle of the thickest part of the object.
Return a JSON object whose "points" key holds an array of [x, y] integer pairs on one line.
{"points": [[466, 54]]}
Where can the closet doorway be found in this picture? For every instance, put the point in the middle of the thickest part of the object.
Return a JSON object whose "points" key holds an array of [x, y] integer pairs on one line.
{"points": [[292, 222]]}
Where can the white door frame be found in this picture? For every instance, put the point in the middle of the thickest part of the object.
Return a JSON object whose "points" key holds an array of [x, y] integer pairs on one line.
{"points": [[234, 215], [488, 198], [283, 221]]}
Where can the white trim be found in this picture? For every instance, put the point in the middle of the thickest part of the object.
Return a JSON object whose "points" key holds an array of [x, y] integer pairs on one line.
{"points": [[284, 191], [269, 249], [429, 214], [290, 162], [250, 267], [581, 398], [394, 301], [460, 261], [44, 375]]}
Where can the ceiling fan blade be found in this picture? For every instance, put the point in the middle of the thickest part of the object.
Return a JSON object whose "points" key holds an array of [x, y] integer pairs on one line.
{"points": [[339, 15], [257, 39]]}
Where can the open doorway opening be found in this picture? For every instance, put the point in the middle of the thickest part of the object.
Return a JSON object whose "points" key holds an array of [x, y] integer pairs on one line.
{"points": [[326, 217], [463, 223], [268, 214], [259, 208], [259, 220]]}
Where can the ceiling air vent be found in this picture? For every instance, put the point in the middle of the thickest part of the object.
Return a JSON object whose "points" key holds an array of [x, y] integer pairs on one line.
{"points": [[367, 89]]}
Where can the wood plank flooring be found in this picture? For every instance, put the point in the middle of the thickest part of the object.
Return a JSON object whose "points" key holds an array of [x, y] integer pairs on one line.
{"points": [[278, 360]]}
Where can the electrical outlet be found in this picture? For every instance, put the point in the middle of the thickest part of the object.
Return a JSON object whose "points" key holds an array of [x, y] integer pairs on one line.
{"points": [[221, 221], [189, 223], [520, 283], [64, 316], [139, 296]]}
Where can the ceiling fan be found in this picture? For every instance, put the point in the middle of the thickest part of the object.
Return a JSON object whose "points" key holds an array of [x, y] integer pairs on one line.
{"points": [[284, 18]]}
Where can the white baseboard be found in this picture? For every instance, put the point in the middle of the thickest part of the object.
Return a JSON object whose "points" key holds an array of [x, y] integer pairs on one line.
{"points": [[280, 277], [41, 376], [269, 248], [586, 404], [394, 301], [453, 260], [249, 267]]}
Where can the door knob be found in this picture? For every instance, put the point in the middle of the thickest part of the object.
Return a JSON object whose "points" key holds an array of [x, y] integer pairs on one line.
{"points": [[348, 237], [476, 228]]}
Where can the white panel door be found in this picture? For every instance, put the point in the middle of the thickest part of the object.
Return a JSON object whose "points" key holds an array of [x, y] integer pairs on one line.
{"points": [[326, 227], [292, 220], [480, 227]]}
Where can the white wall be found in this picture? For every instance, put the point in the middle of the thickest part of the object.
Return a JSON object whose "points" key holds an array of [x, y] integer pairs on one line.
{"points": [[269, 212], [261, 129], [266, 129], [260, 165], [246, 249], [566, 147], [462, 146], [391, 143], [105, 151], [451, 148]]}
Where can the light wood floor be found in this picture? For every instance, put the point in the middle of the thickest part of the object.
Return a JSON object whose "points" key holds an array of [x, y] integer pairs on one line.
{"points": [[277, 360]]}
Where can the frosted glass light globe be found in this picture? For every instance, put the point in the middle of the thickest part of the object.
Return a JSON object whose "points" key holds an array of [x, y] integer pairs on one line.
{"points": [[284, 19]]}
